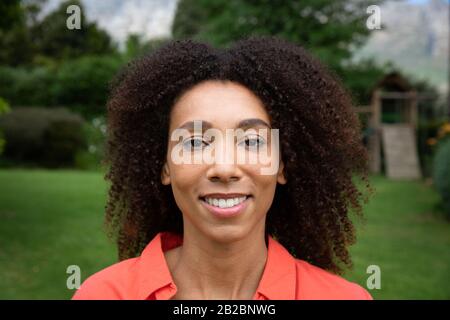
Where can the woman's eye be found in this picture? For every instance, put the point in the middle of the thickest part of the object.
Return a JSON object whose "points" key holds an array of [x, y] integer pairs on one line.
{"points": [[253, 142], [194, 143]]}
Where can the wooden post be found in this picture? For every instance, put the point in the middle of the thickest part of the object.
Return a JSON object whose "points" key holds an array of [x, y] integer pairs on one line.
{"points": [[413, 115], [374, 140]]}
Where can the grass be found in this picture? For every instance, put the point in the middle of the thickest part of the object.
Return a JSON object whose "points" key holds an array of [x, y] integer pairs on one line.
{"points": [[50, 220], [53, 219], [409, 241]]}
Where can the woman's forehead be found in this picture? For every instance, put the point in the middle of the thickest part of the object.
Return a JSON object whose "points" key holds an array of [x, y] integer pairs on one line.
{"points": [[220, 103]]}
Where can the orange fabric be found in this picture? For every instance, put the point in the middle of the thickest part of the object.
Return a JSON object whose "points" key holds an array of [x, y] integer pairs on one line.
{"points": [[148, 277]]}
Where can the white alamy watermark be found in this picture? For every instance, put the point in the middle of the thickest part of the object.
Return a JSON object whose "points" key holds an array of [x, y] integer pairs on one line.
{"points": [[74, 20], [237, 146], [74, 280], [374, 280], [373, 22]]}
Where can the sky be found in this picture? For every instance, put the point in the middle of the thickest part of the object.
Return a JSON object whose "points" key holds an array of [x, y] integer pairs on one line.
{"points": [[152, 18]]}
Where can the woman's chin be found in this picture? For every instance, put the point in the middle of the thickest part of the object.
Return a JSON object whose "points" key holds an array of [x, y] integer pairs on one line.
{"points": [[227, 234]]}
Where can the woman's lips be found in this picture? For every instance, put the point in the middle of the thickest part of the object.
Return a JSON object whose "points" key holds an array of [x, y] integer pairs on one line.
{"points": [[226, 212]]}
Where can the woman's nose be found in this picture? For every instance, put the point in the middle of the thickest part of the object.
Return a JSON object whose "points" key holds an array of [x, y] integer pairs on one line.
{"points": [[224, 167], [224, 172]]}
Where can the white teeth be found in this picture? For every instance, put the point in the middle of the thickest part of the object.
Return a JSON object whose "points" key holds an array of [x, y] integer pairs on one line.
{"points": [[225, 203]]}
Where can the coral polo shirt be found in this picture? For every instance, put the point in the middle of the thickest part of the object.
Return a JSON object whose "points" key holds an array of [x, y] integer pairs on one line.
{"points": [[147, 277]]}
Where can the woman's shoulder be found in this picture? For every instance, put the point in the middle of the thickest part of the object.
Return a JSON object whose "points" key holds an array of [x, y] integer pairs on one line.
{"points": [[113, 282], [315, 283]]}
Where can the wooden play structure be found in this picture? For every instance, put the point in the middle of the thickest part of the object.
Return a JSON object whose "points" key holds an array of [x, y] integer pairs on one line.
{"points": [[392, 123]]}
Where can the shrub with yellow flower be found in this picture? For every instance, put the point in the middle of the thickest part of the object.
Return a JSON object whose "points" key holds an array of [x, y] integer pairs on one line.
{"points": [[4, 108], [443, 133], [441, 166]]}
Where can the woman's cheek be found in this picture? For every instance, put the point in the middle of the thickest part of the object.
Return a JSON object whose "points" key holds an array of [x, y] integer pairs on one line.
{"points": [[265, 186]]}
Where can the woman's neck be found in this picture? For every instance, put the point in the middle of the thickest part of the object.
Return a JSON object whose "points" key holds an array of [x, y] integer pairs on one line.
{"points": [[204, 269]]}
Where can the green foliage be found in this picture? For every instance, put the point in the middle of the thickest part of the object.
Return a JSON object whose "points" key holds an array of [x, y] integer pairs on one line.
{"points": [[4, 108], [29, 40], [330, 29], [54, 39], [46, 137], [22, 87], [16, 43], [81, 84], [327, 27], [95, 133], [136, 46], [441, 173], [427, 130], [361, 78], [16, 35], [62, 139], [11, 12], [85, 82], [16, 46]]}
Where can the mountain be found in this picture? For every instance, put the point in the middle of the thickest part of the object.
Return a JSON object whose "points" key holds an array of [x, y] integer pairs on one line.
{"points": [[415, 38]]}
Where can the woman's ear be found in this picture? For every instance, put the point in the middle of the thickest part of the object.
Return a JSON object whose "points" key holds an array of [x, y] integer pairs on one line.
{"points": [[281, 178], [165, 175]]}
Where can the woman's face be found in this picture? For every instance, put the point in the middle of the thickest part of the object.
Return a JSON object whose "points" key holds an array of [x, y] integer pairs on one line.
{"points": [[227, 198]]}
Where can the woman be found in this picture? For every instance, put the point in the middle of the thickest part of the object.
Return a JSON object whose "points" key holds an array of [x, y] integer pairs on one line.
{"points": [[228, 229]]}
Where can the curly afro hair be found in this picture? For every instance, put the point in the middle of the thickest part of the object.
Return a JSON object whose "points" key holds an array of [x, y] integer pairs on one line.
{"points": [[320, 144]]}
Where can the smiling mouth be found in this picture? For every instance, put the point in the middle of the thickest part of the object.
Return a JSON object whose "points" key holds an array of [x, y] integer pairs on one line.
{"points": [[224, 202]]}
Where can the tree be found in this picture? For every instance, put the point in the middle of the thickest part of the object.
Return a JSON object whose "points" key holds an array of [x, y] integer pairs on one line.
{"points": [[330, 29], [136, 46], [16, 46], [53, 38], [11, 12], [25, 39]]}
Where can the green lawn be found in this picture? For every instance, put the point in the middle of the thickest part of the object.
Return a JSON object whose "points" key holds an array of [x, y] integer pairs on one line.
{"points": [[53, 219]]}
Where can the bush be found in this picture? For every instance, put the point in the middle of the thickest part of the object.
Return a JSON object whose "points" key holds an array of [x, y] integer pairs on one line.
{"points": [[441, 174], [426, 131], [62, 140], [26, 87], [85, 82], [4, 108], [95, 133], [81, 84], [44, 137]]}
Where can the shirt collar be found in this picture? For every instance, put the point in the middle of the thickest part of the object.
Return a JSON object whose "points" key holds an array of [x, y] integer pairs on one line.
{"points": [[278, 281]]}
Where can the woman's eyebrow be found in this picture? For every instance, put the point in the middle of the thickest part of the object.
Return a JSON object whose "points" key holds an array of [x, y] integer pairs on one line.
{"points": [[189, 125], [243, 124], [254, 122]]}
